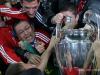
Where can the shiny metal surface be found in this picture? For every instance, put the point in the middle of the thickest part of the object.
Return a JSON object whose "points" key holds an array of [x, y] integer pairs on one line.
{"points": [[76, 42]]}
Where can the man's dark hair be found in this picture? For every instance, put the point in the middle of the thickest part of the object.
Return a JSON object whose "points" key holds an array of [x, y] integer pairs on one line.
{"points": [[14, 69], [70, 7], [17, 21], [29, 0], [32, 71], [18, 69]]}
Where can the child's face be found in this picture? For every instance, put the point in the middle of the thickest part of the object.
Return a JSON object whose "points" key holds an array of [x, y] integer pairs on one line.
{"points": [[40, 46]]}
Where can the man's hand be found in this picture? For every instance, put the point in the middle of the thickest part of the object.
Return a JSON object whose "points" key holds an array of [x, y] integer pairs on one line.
{"points": [[34, 59], [57, 19]]}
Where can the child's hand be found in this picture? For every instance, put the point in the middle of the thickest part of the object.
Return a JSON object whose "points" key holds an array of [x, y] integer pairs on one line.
{"points": [[40, 46]]}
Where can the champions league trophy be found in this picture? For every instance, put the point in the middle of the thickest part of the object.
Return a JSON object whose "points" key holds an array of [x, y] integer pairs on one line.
{"points": [[92, 18], [72, 50]]}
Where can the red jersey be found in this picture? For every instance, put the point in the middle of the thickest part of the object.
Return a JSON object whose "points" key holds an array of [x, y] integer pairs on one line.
{"points": [[7, 43], [12, 12]]}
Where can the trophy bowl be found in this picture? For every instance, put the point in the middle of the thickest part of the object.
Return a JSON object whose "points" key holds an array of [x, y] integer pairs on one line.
{"points": [[72, 49]]}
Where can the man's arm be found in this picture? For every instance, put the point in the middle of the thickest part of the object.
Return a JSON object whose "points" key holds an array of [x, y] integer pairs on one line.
{"points": [[45, 56], [8, 55]]}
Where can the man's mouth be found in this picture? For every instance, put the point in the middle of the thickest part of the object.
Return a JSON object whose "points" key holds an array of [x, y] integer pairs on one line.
{"points": [[29, 38]]}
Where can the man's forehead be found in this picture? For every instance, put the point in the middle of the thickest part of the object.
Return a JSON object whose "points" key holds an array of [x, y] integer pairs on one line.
{"points": [[68, 13], [30, 0], [30, 4]]}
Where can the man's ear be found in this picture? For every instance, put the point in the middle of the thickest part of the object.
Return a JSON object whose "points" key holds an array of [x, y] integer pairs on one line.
{"points": [[77, 17], [21, 3]]}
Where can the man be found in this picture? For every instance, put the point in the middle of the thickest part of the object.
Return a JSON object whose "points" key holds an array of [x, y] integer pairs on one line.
{"points": [[25, 31], [69, 18], [8, 48], [68, 13], [31, 8]]}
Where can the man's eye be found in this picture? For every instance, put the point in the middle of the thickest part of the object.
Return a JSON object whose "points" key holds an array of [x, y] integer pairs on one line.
{"points": [[26, 7], [35, 7], [27, 28], [20, 32]]}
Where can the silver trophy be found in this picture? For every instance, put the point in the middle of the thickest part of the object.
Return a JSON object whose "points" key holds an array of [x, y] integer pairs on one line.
{"points": [[92, 18], [73, 48]]}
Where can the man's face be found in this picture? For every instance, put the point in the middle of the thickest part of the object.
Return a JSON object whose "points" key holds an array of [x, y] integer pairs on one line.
{"points": [[25, 31], [73, 18], [30, 7]]}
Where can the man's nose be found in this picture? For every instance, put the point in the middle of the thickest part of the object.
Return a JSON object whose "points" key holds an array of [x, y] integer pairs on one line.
{"points": [[25, 32], [31, 11]]}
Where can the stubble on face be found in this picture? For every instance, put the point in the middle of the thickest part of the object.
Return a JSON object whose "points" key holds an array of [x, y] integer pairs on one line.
{"points": [[31, 7], [74, 21]]}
